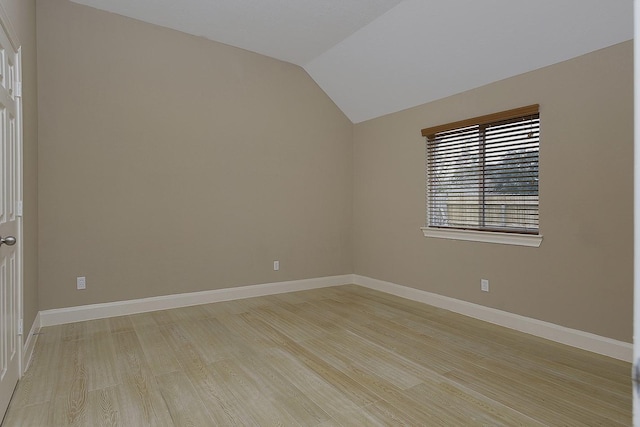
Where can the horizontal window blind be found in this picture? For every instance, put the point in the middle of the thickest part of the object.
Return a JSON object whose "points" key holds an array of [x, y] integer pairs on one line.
{"points": [[482, 174]]}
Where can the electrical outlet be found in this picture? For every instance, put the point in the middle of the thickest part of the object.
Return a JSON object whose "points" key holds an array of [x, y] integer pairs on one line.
{"points": [[276, 265], [484, 285], [81, 283]]}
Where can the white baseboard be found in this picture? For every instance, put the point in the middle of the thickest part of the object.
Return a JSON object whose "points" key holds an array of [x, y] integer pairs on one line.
{"points": [[584, 340], [61, 316], [30, 343], [575, 338]]}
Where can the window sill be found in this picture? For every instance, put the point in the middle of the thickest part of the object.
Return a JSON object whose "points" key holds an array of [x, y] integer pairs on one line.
{"points": [[484, 236]]}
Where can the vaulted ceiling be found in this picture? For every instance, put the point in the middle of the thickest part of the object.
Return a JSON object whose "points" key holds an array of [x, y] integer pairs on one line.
{"points": [[374, 57]]}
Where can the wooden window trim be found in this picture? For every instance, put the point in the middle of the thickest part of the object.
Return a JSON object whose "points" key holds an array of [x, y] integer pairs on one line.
{"points": [[489, 118]]}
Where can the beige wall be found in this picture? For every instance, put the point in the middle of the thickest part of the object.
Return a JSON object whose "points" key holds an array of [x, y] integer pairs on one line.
{"points": [[172, 164], [22, 14], [582, 274], [169, 164]]}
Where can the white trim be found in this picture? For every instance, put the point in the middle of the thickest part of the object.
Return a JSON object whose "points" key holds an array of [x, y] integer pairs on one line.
{"points": [[584, 340], [8, 28], [575, 338], [61, 316], [30, 343], [530, 240], [636, 215]]}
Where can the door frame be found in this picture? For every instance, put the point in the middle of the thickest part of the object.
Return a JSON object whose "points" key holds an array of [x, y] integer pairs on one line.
{"points": [[636, 219]]}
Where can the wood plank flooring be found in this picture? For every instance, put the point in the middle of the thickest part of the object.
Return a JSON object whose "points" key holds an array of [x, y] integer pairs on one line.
{"points": [[341, 356]]}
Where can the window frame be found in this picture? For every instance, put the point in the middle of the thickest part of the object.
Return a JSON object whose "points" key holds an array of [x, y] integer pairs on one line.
{"points": [[479, 235]]}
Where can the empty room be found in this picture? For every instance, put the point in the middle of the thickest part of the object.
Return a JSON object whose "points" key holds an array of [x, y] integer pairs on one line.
{"points": [[316, 213]]}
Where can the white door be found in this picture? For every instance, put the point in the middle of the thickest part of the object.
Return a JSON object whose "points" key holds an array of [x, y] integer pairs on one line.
{"points": [[10, 221]]}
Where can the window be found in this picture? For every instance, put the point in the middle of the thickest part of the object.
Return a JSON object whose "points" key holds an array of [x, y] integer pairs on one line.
{"points": [[482, 178]]}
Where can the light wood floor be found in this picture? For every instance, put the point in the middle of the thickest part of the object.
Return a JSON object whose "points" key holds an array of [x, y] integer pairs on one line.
{"points": [[337, 356]]}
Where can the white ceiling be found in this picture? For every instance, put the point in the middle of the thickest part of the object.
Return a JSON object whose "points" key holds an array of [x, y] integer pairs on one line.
{"points": [[374, 57]]}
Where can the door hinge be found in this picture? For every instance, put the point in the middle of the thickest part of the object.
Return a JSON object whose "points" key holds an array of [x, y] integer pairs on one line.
{"points": [[20, 327], [17, 89], [19, 208]]}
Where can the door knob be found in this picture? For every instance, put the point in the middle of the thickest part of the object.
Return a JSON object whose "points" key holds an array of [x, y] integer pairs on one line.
{"points": [[9, 241]]}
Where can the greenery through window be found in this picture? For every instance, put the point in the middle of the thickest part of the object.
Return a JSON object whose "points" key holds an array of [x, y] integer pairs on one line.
{"points": [[482, 173]]}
